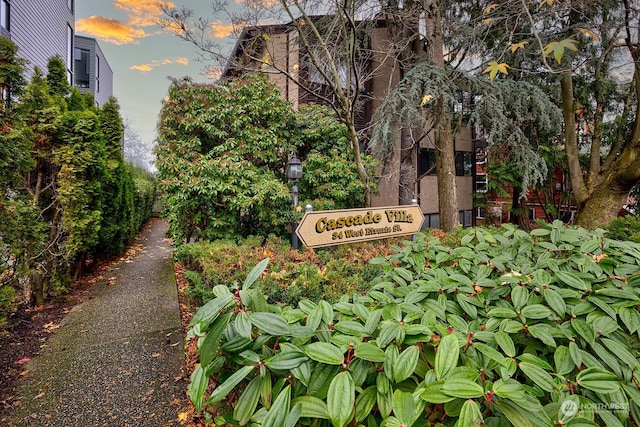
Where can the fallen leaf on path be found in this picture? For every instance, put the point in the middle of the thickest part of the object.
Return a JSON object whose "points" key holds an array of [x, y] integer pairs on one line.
{"points": [[50, 326], [22, 361], [39, 395]]}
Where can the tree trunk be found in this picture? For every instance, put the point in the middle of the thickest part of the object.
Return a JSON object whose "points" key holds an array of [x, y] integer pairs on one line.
{"points": [[444, 134], [362, 172], [603, 206], [408, 172], [445, 165]]}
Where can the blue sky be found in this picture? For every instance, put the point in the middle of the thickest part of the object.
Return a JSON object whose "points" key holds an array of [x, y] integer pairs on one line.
{"points": [[142, 54]]}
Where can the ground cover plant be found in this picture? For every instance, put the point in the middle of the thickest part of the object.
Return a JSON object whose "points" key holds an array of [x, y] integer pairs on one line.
{"points": [[292, 275], [506, 328]]}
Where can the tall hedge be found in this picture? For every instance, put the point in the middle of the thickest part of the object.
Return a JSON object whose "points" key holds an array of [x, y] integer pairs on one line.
{"points": [[66, 195]]}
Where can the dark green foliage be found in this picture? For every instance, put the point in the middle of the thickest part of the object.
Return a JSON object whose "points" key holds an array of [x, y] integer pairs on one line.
{"points": [[222, 150], [118, 222], [625, 228], [502, 329], [144, 195], [292, 275], [66, 195], [82, 170], [330, 179], [11, 72], [57, 77]]}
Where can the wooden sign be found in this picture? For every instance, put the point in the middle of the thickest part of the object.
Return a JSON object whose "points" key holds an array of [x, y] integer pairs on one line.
{"points": [[327, 228]]}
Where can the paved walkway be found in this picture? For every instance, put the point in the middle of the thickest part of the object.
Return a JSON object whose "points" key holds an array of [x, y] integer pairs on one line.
{"points": [[117, 359]]}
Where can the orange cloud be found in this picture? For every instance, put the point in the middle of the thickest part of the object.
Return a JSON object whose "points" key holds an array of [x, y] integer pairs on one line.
{"points": [[145, 68], [142, 67], [219, 30], [142, 13], [109, 30]]}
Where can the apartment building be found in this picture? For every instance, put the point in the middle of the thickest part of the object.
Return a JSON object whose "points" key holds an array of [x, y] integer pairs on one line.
{"points": [[276, 48], [41, 29], [92, 73]]}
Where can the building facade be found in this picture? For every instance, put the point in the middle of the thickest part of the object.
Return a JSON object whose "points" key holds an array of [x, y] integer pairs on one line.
{"points": [[92, 72], [41, 29], [286, 55]]}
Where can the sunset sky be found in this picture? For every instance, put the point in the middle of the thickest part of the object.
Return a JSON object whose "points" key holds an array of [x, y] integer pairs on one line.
{"points": [[141, 54]]}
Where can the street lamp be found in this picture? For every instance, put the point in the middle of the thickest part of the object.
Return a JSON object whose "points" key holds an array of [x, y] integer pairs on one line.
{"points": [[294, 173]]}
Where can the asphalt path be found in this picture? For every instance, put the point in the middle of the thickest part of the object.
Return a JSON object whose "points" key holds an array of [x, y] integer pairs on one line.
{"points": [[117, 359]]}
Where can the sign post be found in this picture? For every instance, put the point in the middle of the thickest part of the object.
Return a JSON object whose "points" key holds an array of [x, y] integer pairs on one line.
{"points": [[328, 228]]}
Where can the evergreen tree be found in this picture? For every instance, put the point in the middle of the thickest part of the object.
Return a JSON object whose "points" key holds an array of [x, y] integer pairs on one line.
{"points": [[11, 72], [57, 77]]}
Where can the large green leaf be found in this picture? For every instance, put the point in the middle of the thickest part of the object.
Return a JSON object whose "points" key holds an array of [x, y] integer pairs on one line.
{"points": [[406, 363], [211, 343], [270, 323], [490, 352], [325, 353], [404, 408], [462, 388], [370, 352], [223, 389], [286, 360], [197, 386], [584, 330], [538, 375], [255, 272], [447, 354], [311, 407], [509, 389], [470, 414], [341, 399], [433, 393], [506, 343], [211, 310], [555, 301], [571, 279], [279, 410], [598, 380], [365, 402], [248, 401], [515, 414]]}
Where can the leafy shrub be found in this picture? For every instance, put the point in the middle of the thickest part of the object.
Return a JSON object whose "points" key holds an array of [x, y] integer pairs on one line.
{"points": [[230, 142], [509, 328], [7, 299], [625, 228], [292, 275]]}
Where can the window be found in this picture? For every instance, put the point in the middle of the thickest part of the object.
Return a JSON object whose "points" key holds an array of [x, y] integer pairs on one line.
{"points": [[70, 54], [4, 14], [427, 162], [463, 163], [481, 184], [81, 67], [466, 218], [431, 221], [97, 74]]}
